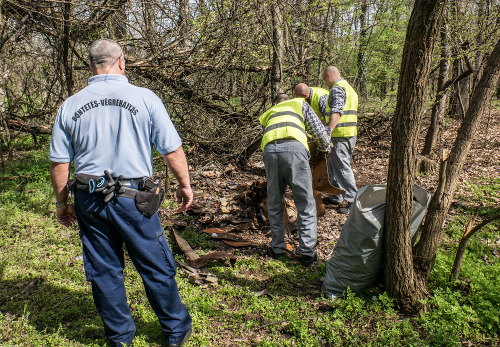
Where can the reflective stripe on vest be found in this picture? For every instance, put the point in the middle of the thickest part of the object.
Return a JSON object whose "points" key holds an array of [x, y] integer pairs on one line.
{"points": [[348, 122], [284, 120], [316, 94]]}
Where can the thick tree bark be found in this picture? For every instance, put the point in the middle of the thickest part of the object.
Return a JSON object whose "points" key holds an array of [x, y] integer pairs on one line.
{"points": [[400, 279], [425, 250], [278, 50]]}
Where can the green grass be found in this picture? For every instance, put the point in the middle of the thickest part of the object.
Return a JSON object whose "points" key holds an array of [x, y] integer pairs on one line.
{"points": [[45, 300]]}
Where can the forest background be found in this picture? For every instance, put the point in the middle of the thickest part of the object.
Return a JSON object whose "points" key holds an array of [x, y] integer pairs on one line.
{"points": [[217, 65]]}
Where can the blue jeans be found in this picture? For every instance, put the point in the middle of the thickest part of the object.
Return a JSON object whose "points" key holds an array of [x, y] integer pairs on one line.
{"points": [[104, 229]]}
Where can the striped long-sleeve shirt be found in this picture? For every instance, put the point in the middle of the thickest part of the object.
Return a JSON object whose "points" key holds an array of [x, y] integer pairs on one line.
{"points": [[315, 127], [336, 99]]}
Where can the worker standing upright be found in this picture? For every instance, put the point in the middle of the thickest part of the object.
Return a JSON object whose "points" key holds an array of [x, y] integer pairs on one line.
{"points": [[286, 158], [107, 130], [342, 122]]}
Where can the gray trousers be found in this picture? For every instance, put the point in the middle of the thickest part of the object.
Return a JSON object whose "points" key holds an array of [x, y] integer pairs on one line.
{"points": [[339, 168], [287, 164]]}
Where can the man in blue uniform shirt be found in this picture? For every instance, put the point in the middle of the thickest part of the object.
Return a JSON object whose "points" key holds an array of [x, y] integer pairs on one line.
{"points": [[111, 125]]}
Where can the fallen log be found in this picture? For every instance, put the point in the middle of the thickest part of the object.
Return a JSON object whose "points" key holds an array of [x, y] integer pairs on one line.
{"points": [[28, 127], [193, 259]]}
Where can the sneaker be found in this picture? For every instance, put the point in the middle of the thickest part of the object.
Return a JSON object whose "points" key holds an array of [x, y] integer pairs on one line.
{"points": [[327, 201], [275, 255], [307, 260], [180, 344], [345, 210]]}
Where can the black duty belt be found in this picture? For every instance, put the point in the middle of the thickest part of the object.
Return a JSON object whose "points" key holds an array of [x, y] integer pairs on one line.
{"points": [[148, 196]]}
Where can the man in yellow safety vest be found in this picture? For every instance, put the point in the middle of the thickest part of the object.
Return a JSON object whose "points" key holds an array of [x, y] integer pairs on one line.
{"points": [[316, 97], [286, 158], [341, 121]]}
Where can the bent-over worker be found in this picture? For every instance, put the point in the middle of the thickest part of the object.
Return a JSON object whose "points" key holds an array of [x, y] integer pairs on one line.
{"points": [[286, 159], [316, 97]]}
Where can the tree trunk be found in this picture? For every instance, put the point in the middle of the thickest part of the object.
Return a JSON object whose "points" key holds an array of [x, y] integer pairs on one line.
{"points": [[324, 31], [119, 23], [202, 7], [2, 74], [482, 17], [459, 94], [425, 250], [363, 40], [441, 95], [400, 279], [183, 23], [66, 60], [278, 49]]}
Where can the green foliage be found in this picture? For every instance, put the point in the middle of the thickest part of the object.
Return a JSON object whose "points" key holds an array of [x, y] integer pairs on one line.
{"points": [[470, 308], [45, 300], [467, 310], [385, 49]]}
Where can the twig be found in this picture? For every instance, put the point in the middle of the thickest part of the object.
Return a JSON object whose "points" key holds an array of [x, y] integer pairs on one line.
{"points": [[463, 244], [16, 177]]}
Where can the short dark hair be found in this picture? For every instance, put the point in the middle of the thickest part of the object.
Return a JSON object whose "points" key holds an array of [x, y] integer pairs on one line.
{"points": [[280, 97]]}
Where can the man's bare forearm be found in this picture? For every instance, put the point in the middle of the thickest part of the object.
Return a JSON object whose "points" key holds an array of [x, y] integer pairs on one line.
{"points": [[334, 120], [59, 173], [176, 162]]}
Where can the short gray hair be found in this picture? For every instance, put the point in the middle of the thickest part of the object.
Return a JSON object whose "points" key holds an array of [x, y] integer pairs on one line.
{"points": [[104, 52]]}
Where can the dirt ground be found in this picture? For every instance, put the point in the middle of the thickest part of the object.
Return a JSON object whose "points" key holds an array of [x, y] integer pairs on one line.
{"points": [[224, 198]]}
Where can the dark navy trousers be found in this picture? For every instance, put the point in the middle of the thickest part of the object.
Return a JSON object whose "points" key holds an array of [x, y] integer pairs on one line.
{"points": [[104, 229]]}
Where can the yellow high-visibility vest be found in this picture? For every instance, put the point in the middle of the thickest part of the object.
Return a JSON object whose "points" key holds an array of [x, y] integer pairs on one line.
{"points": [[314, 101], [348, 122], [284, 120]]}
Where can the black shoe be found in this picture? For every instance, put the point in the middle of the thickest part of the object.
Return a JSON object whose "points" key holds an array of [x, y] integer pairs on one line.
{"points": [[307, 260], [345, 210], [180, 344], [275, 255], [327, 201]]}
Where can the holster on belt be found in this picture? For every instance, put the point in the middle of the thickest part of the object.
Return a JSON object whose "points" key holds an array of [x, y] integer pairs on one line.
{"points": [[148, 197]]}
